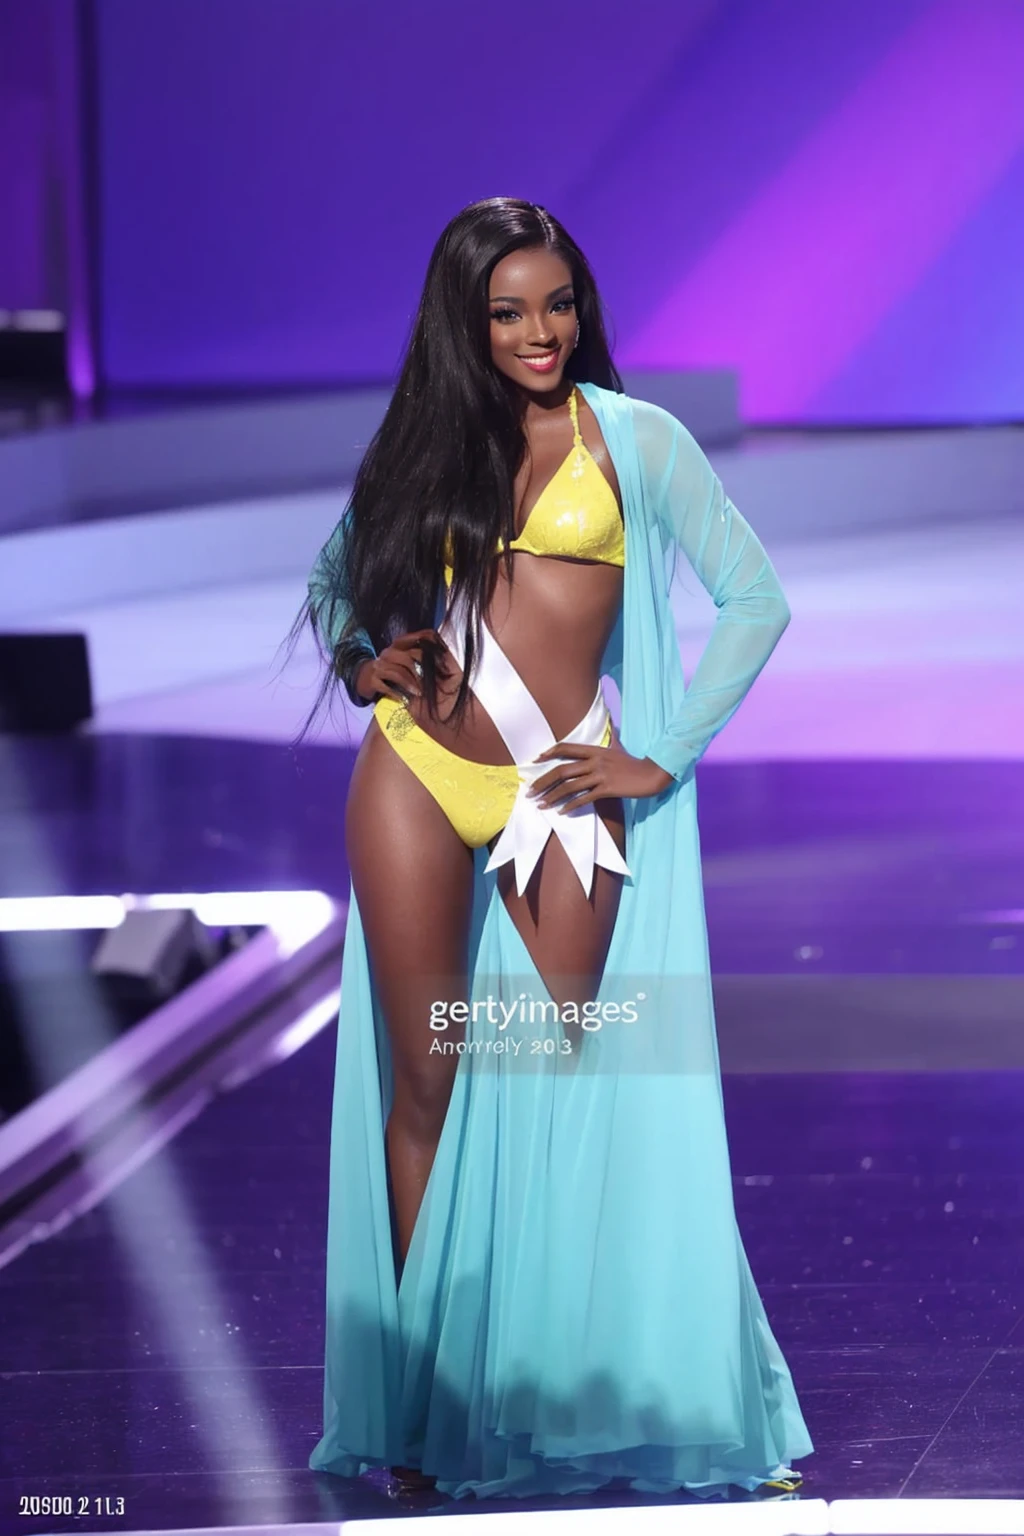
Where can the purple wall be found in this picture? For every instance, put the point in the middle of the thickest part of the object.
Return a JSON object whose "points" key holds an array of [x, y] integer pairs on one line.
{"points": [[44, 249], [30, 269], [829, 198]]}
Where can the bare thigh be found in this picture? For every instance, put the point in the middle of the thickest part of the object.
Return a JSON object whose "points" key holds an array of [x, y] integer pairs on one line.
{"points": [[413, 879], [566, 931]]}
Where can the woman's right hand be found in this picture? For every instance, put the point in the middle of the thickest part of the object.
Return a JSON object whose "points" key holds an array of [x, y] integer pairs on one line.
{"points": [[394, 672]]}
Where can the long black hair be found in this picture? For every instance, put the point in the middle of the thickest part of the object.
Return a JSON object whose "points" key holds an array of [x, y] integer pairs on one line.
{"points": [[440, 470]]}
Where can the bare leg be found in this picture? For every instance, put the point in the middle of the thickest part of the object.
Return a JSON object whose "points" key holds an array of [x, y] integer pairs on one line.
{"points": [[567, 932], [413, 879]]}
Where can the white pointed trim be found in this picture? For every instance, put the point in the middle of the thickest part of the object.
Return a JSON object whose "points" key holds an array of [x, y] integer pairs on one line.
{"points": [[526, 733]]}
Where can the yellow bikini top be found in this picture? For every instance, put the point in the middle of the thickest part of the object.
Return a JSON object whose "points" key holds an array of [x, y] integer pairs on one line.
{"points": [[576, 514]]}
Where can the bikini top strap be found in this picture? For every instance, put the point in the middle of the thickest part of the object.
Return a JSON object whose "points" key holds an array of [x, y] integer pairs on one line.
{"points": [[575, 414]]}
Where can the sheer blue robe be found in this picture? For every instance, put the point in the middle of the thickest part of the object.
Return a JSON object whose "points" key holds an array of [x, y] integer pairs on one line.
{"points": [[576, 1304]]}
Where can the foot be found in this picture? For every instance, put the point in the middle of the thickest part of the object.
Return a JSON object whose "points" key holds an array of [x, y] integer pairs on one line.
{"points": [[789, 1482]]}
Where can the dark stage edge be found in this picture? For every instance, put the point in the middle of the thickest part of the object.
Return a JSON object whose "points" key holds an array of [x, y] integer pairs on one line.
{"points": [[167, 1347]]}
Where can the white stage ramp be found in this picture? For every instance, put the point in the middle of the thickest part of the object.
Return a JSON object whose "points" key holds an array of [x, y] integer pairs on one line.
{"points": [[904, 571]]}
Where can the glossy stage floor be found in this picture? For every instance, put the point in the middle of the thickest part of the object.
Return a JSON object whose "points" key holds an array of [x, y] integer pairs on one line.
{"points": [[862, 822]]}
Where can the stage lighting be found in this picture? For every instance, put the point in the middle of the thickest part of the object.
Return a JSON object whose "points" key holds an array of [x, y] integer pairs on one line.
{"points": [[152, 955], [45, 682], [33, 353]]}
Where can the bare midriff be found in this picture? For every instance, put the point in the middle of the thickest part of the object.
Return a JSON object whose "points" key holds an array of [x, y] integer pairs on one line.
{"points": [[553, 621]]}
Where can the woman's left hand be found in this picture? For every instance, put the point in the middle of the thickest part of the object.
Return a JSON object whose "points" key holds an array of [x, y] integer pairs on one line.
{"points": [[595, 773]]}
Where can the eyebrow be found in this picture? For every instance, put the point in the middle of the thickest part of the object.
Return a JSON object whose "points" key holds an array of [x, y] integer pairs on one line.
{"points": [[513, 298]]}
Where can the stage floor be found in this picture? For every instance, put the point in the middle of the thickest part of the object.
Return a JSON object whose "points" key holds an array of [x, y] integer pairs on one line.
{"points": [[167, 1347]]}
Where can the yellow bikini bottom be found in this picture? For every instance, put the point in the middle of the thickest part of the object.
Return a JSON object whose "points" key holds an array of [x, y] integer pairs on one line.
{"points": [[477, 798]]}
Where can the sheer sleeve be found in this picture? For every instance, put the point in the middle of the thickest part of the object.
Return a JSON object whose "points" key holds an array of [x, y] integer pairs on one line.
{"points": [[345, 643], [695, 513]]}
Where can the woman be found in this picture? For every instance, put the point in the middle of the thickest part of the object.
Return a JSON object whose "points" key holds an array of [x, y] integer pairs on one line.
{"points": [[535, 1280]]}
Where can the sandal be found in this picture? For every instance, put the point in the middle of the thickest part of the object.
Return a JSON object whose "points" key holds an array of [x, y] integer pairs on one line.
{"points": [[789, 1483]]}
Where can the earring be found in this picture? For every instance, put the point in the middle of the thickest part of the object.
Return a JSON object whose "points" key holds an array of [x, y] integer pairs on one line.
{"points": [[577, 341]]}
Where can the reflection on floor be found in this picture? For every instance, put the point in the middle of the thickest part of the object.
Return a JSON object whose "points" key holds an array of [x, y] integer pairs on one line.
{"points": [[882, 1217], [166, 1348]]}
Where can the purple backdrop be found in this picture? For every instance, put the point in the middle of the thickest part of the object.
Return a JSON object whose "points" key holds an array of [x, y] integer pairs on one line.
{"points": [[44, 258], [30, 276], [829, 198]]}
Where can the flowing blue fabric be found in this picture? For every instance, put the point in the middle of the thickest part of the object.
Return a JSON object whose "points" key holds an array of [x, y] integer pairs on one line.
{"points": [[576, 1304]]}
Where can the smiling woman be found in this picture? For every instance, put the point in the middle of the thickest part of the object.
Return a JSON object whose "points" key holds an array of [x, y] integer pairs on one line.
{"points": [[516, 1299], [538, 336]]}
